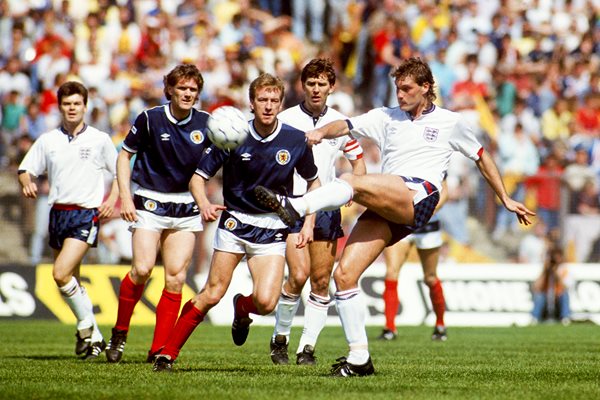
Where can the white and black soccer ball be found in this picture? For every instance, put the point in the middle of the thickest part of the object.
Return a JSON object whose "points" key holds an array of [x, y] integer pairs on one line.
{"points": [[227, 127]]}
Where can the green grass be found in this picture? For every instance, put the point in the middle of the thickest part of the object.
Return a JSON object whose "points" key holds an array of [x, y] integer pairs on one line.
{"points": [[538, 362]]}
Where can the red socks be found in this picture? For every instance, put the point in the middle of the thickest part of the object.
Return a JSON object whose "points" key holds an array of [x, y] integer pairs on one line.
{"points": [[129, 295], [245, 306], [436, 293], [167, 312], [188, 321], [391, 304]]}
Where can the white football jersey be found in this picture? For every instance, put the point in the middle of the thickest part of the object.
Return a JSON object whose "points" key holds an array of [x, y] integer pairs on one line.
{"points": [[325, 153], [75, 166], [418, 148]]}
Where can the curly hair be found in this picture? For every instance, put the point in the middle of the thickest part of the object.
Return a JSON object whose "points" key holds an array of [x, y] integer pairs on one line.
{"points": [[419, 71]]}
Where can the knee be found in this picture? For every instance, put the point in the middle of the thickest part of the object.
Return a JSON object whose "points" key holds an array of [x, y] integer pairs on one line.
{"points": [[430, 279], [208, 297], [140, 273], [174, 283], [347, 177], [296, 280], [264, 304], [320, 285], [60, 278], [343, 279]]}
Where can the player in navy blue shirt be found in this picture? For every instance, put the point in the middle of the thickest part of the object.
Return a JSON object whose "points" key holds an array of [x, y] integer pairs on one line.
{"points": [[269, 157], [168, 141]]}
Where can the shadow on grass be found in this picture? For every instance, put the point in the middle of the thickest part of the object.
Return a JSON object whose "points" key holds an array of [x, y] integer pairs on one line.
{"points": [[44, 357]]}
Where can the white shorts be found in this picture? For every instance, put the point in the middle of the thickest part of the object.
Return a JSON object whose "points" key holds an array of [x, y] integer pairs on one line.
{"points": [[427, 240], [153, 222], [227, 241]]}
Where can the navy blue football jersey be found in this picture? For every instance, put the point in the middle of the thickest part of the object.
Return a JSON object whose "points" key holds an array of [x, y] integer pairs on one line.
{"points": [[167, 151], [269, 162]]}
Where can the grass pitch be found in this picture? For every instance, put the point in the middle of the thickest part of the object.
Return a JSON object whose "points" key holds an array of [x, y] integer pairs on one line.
{"points": [[37, 361]]}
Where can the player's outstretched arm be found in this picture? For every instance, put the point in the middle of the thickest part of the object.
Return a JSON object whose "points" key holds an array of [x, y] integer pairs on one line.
{"points": [[490, 172], [328, 131]]}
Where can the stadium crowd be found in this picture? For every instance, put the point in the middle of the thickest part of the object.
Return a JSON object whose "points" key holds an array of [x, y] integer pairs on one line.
{"points": [[525, 73]]}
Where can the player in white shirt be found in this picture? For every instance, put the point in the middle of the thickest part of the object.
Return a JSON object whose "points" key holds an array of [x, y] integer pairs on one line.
{"points": [[324, 227], [416, 140], [75, 157]]}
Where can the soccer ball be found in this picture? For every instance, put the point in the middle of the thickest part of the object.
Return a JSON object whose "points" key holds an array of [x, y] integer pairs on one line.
{"points": [[227, 127]]}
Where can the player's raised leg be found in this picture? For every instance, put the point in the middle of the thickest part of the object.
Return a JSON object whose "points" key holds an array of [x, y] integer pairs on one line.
{"points": [[387, 195]]}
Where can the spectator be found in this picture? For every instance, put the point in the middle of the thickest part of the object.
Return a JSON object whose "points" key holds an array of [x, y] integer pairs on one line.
{"points": [[551, 290], [586, 200], [34, 123], [577, 173], [13, 112], [556, 121], [587, 117], [51, 64], [13, 78], [547, 186]]}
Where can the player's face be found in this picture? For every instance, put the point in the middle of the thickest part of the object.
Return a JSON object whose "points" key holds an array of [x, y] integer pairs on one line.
{"points": [[316, 91], [266, 105], [72, 109], [183, 96], [411, 96]]}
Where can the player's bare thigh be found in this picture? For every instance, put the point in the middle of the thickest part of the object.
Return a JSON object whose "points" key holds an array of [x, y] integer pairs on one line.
{"points": [[145, 248], [220, 274], [267, 276], [177, 248], [366, 242], [68, 260], [385, 194]]}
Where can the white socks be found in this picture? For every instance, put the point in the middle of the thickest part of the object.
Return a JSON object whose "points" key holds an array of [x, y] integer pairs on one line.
{"points": [[76, 300], [286, 309], [315, 317], [352, 310], [330, 196], [96, 334]]}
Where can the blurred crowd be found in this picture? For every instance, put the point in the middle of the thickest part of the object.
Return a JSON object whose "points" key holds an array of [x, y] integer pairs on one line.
{"points": [[525, 73]]}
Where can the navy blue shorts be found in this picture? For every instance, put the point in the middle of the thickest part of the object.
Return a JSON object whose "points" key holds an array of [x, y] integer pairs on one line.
{"points": [[70, 221], [328, 225], [423, 213], [251, 233]]}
